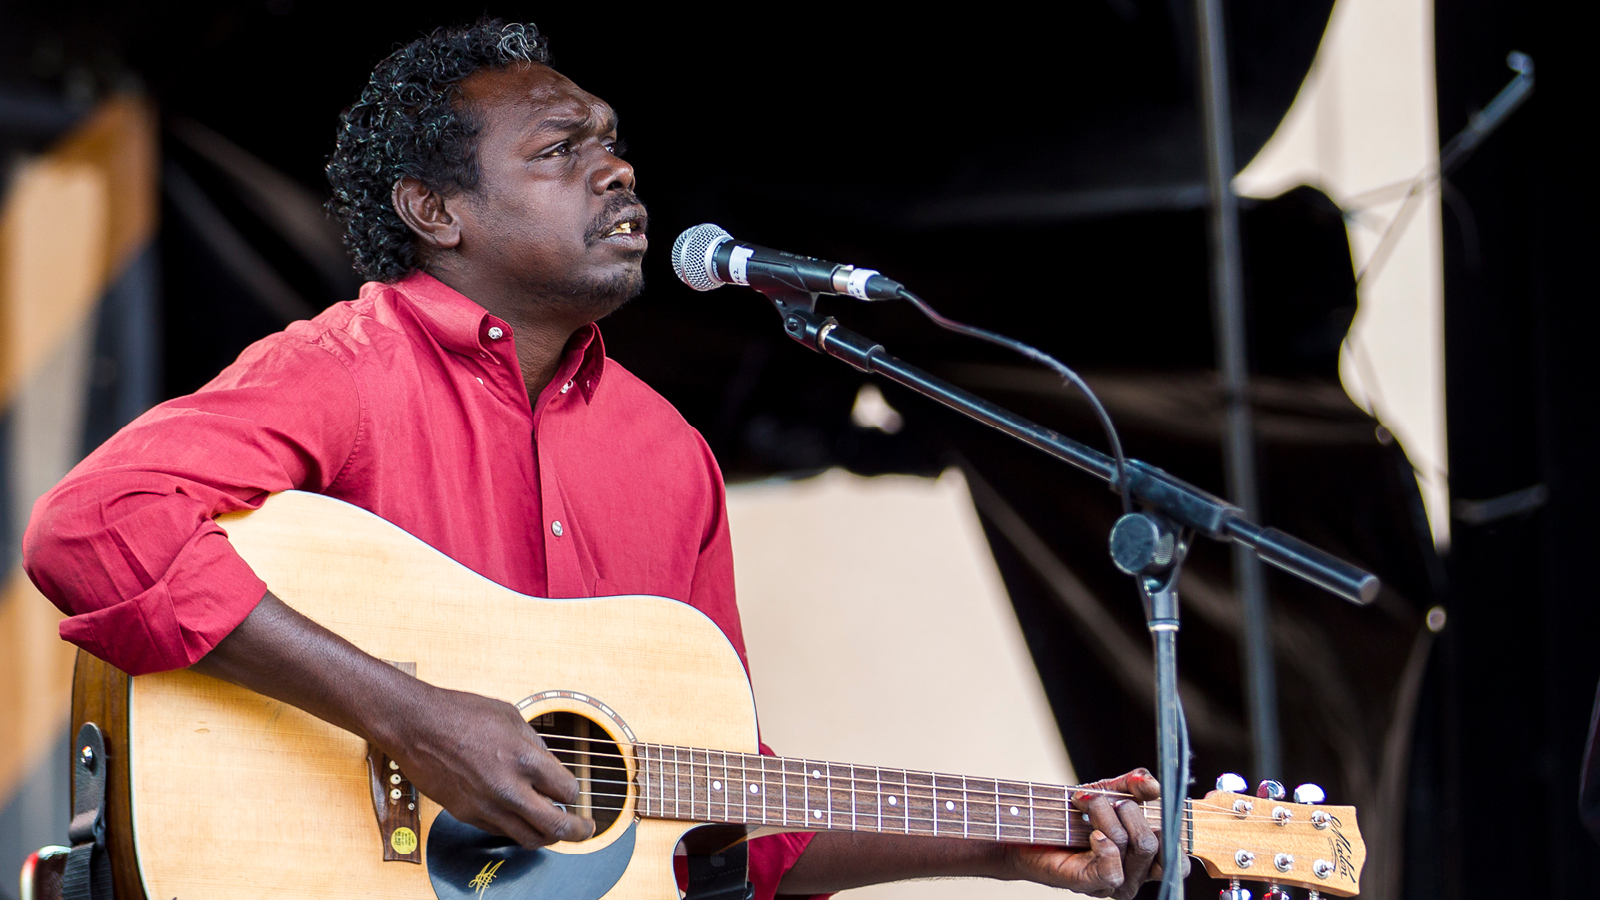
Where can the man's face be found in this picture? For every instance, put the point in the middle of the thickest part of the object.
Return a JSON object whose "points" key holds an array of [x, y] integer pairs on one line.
{"points": [[554, 214]]}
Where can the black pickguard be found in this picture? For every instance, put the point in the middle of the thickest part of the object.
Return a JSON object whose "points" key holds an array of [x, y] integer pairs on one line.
{"points": [[465, 863]]}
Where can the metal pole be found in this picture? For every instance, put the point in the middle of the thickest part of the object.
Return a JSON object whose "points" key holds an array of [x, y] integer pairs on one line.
{"points": [[1261, 695]]}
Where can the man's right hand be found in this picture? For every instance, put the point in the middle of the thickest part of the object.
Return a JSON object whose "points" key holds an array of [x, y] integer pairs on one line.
{"points": [[474, 756], [478, 759]]}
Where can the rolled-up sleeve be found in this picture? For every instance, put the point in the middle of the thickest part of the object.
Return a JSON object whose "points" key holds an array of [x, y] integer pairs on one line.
{"points": [[127, 544]]}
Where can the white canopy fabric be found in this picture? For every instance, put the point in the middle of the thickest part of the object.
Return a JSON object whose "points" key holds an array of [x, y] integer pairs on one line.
{"points": [[1364, 130]]}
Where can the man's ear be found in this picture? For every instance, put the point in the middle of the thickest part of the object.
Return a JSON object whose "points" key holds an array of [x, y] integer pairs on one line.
{"points": [[429, 214]]}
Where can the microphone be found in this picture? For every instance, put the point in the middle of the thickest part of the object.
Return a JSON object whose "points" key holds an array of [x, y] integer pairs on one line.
{"points": [[706, 257]]}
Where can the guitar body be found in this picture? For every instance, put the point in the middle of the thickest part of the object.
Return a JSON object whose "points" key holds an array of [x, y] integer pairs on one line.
{"points": [[215, 792], [222, 794]]}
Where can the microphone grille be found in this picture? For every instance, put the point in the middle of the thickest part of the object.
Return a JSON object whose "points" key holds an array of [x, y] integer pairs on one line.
{"points": [[691, 256]]}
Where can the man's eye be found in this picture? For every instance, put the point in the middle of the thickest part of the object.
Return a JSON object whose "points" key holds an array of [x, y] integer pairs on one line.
{"points": [[561, 149], [617, 146]]}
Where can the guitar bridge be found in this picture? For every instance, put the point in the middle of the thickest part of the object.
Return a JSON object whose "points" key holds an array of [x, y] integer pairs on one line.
{"points": [[395, 799]]}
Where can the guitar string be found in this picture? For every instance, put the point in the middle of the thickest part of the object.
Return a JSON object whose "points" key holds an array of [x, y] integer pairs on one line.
{"points": [[1008, 792], [1199, 807], [927, 825], [1068, 823], [1078, 789]]}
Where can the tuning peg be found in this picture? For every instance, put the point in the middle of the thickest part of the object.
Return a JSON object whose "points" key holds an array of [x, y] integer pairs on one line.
{"points": [[1270, 790], [1309, 793], [1276, 892], [1233, 891], [1231, 783]]}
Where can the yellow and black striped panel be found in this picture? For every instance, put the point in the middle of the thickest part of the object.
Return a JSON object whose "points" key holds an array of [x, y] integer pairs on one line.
{"points": [[78, 332]]}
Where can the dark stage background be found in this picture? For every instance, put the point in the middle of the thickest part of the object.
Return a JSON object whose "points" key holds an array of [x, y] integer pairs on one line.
{"points": [[1061, 150]]}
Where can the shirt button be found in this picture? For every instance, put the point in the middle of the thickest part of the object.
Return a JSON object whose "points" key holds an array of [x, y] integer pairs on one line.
{"points": [[496, 333], [555, 528], [566, 387]]}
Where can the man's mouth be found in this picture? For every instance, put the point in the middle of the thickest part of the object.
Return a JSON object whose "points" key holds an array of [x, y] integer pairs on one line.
{"points": [[627, 226]]}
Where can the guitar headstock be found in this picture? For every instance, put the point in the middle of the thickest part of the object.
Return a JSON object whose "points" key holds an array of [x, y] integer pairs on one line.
{"points": [[1272, 838]]}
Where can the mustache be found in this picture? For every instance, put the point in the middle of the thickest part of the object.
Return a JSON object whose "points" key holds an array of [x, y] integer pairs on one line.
{"points": [[616, 202]]}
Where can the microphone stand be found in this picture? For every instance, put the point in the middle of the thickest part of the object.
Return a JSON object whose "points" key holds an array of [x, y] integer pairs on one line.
{"points": [[1149, 545]]}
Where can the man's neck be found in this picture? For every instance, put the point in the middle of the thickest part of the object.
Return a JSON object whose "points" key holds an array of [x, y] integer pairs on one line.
{"points": [[539, 328]]}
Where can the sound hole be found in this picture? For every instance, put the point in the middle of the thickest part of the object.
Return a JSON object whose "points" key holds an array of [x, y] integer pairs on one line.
{"points": [[594, 759]]}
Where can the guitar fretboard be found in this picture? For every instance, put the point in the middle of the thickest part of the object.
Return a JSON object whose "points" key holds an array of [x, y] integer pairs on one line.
{"points": [[747, 789]]}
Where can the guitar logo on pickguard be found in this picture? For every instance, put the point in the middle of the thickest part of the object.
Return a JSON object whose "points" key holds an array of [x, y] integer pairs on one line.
{"points": [[486, 875]]}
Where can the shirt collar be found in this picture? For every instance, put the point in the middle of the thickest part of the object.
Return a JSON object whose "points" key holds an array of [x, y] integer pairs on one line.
{"points": [[461, 325], [582, 366]]}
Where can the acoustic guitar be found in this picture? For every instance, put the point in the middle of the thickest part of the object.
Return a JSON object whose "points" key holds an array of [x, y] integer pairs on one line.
{"points": [[218, 793]]}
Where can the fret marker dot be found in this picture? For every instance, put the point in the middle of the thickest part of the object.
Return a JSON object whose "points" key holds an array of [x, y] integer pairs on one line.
{"points": [[755, 789], [717, 786], [949, 804], [1014, 811], [893, 801], [816, 773], [816, 813]]}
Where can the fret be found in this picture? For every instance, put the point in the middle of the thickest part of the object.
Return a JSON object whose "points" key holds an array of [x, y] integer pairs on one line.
{"points": [[690, 795], [744, 787], [950, 813], [1052, 813], [877, 795], [795, 810], [768, 783], [1014, 811], [967, 811], [1032, 809], [842, 776], [648, 771], [892, 800], [999, 811], [852, 796], [641, 777], [677, 782], [658, 784], [983, 812], [717, 807], [864, 796], [730, 788], [841, 796], [816, 794], [920, 797]]}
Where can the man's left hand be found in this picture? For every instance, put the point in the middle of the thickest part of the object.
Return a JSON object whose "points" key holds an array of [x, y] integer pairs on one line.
{"points": [[1123, 847]]}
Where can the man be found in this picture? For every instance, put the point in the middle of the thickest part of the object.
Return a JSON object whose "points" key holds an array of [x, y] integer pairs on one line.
{"points": [[466, 397]]}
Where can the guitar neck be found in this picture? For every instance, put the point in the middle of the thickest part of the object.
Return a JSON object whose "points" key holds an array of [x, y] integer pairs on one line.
{"points": [[796, 794]]}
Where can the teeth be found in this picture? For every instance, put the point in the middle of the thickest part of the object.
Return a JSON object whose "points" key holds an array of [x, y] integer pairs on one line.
{"points": [[624, 228]]}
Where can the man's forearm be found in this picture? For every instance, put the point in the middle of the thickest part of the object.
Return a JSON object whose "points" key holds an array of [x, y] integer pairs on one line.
{"points": [[837, 861], [278, 652], [474, 755]]}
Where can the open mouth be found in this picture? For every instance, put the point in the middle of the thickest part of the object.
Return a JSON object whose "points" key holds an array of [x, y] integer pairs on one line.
{"points": [[629, 226]]}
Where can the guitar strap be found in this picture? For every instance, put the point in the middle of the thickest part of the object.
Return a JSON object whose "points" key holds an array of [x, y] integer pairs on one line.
{"points": [[721, 875], [88, 874]]}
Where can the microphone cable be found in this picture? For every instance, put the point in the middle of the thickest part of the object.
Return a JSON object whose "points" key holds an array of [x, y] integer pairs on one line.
{"points": [[1171, 876], [1039, 356]]}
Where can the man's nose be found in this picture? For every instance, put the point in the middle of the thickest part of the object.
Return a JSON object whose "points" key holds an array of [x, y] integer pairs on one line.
{"points": [[612, 174]]}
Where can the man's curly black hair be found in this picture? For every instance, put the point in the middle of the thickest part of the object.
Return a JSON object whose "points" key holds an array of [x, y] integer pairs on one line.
{"points": [[409, 122]]}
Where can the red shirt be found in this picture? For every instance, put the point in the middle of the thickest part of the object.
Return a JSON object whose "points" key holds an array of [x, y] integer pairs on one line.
{"points": [[409, 402]]}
